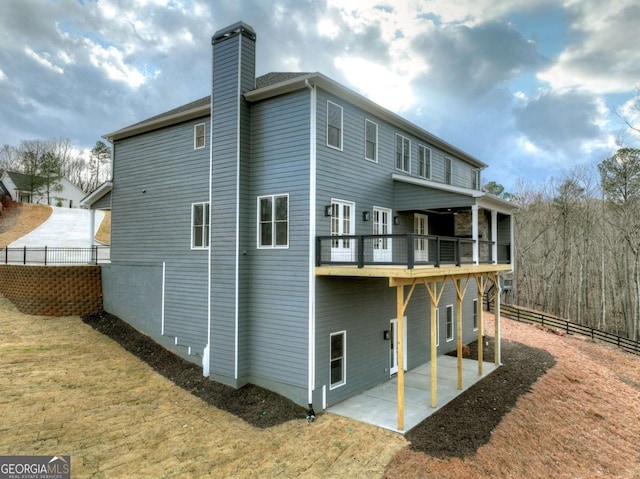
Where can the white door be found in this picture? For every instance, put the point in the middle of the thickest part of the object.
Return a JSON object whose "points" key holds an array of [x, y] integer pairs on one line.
{"points": [[421, 227], [393, 346], [382, 226], [341, 225]]}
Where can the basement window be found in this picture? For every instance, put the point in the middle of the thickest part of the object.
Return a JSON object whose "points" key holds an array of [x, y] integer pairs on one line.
{"points": [[338, 361]]}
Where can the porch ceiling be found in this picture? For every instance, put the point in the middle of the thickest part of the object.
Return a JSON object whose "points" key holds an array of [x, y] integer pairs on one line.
{"points": [[400, 272]]}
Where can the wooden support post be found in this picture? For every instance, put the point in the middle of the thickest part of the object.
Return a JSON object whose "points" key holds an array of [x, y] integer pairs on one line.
{"points": [[400, 313], [434, 352], [498, 358], [459, 329], [479, 311]]}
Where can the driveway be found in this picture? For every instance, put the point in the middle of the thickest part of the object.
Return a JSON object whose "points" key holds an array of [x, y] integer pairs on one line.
{"points": [[65, 389], [65, 228]]}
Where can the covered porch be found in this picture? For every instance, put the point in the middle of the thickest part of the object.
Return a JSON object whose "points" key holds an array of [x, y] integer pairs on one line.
{"points": [[434, 383], [379, 405]]}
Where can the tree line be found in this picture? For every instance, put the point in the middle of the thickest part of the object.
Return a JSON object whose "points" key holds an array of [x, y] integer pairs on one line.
{"points": [[48, 160], [577, 243]]}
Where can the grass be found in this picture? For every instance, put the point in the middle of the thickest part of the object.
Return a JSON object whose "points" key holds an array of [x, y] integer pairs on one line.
{"points": [[104, 231], [20, 219]]}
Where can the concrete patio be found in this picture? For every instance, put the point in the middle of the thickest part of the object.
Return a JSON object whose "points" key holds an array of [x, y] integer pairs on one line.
{"points": [[379, 405]]}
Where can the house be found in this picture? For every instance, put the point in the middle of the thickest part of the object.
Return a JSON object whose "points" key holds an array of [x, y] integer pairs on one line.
{"points": [[288, 232], [55, 191]]}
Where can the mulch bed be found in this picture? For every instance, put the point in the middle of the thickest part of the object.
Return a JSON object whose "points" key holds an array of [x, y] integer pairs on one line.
{"points": [[456, 430], [257, 406], [466, 423]]}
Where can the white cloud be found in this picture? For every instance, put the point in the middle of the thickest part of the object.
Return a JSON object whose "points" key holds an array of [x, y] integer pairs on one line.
{"points": [[2, 76], [603, 58], [112, 62], [381, 84], [43, 60]]}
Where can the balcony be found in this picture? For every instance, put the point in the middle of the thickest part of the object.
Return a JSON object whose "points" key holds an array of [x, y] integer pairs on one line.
{"points": [[407, 251]]}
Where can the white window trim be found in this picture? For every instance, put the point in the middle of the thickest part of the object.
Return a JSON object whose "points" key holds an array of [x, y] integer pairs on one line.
{"points": [[453, 323], [344, 360], [448, 161], [426, 149], [207, 222], [341, 126], [273, 230], [374, 160], [475, 315], [475, 179], [395, 149], [195, 136]]}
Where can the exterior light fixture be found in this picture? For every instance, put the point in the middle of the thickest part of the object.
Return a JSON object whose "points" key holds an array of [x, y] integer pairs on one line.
{"points": [[365, 216], [328, 210]]}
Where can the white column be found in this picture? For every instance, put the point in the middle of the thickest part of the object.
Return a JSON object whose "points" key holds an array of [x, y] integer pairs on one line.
{"points": [[498, 349], [494, 236], [92, 226], [474, 232]]}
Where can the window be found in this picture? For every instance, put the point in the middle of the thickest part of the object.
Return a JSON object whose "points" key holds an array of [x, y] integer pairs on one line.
{"points": [[338, 360], [424, 162], [200, 225], [447, 170], [403, 153], [334, 125], [450, 322], [273, 221], [198, 136], [437, 327], [475, 179], [370, 140], [475, 314]]}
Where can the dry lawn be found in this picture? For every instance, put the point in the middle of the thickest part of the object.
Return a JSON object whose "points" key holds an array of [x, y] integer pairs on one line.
{"points": [[104, 231], [67, 389], [581, 420], [20, 219]]}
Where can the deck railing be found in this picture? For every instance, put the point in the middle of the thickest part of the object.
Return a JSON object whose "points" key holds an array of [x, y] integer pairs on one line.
{"points": [[409, 250], [55, 256]]}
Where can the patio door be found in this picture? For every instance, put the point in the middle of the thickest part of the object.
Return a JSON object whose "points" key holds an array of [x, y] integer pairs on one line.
{"points": [[393, 346], [421, 227], [382, 226], [342, 250]]}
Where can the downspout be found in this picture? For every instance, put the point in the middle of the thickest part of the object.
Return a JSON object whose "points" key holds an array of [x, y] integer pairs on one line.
{"points": [[206, 355], [312, 249]]}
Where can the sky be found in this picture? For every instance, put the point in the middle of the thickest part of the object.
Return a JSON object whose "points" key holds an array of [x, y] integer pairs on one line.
{"points": [[532, 88]]}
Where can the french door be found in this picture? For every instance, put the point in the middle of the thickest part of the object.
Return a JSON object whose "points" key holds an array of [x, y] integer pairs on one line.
{"points": [[342, 250], [382, 226], [421, 245], [393, 346]]}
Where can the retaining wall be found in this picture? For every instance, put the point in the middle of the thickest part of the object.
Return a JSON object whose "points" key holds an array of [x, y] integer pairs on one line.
{"points": [[52, 290]]}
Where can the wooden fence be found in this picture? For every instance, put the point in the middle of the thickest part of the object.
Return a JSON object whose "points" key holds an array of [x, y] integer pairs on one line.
{"points": [[530, 316]]}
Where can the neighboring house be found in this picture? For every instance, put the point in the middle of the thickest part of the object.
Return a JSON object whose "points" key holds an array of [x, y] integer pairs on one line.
{"points": [[28, 189], [293, 234]]}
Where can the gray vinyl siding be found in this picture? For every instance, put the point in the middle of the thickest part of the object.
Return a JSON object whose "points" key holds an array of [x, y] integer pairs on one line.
{"points": [[279, 305], [103, 203], [413, 197], [363, 308], [229, 202], [157, 176]]}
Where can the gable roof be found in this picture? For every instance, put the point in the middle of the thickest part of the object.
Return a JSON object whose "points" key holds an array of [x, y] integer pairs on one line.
{"points": [[279, 83], [23, 182]]}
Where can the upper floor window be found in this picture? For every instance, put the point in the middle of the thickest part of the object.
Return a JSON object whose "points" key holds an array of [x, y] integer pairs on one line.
{"points": [[334, 125], [199, 131], [200, 225], [424, 162], [370, 140], [403, 153], [475, 179], [447, 170], [273, 221]]}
